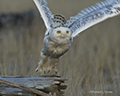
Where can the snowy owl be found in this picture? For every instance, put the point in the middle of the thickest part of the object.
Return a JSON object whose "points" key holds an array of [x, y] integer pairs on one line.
{"points": [[60, 33]]}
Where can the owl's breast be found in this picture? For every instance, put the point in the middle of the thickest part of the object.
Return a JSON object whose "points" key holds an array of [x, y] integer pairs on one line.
{"points": [[54, 50]]}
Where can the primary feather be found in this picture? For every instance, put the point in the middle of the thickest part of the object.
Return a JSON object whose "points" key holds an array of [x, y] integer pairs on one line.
{"points": [[45, 12], [93, 15]]}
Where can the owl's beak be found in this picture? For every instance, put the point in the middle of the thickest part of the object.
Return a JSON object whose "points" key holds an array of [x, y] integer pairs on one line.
{"points": [[63, 36]]}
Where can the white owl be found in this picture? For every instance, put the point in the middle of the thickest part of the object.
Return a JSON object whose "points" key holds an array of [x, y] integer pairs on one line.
{"points": [[59, 34]]}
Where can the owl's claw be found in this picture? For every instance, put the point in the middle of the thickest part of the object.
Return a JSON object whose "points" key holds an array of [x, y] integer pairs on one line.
{"points": [[54, 71], [44, 72], [36, 70], [48, 71], [40, 69]]}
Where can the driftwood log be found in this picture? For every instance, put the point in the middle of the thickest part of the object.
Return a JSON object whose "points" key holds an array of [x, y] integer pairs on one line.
{"points": [[32, 86]]}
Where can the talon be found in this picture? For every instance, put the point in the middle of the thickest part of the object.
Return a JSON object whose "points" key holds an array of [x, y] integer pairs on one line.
{"points": [[44, 72], [56, 72], [48, 71], [36, 70]]}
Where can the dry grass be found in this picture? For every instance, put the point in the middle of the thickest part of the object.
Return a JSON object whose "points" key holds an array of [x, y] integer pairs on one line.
{"points": [[92, 63]]}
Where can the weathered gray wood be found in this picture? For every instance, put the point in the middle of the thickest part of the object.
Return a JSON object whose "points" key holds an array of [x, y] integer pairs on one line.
{"points": [[48, 84], [23, 87]]}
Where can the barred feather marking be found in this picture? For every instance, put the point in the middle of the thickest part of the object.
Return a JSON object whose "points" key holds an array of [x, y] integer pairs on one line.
{"points": [[45, 12], [58, 20], [93, 15]]}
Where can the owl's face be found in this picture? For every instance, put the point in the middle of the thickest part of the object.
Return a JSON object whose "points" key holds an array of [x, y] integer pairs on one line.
{"points": [[61, 35]]}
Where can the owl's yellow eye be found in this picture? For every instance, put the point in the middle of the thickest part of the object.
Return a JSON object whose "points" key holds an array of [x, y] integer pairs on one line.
{"points": [[67, 32], [58, 32]]}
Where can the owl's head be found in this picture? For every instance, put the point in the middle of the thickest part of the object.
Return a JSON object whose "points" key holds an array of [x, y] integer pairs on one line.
{"points": [[61, 35]]}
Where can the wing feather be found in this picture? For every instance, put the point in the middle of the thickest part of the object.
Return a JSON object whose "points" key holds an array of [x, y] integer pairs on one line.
{"points": [[93, 15], [45, 12]]}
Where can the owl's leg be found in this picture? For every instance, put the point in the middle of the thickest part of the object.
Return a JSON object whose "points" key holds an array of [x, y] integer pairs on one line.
{"points": [[42, 63], [52, 64]]}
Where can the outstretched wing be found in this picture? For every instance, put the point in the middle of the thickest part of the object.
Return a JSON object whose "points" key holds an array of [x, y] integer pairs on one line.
{"points": [[45, 12], [93, 15]]}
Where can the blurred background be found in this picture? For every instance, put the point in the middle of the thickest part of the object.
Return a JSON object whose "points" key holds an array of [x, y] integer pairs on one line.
{"points": [[92, 65]]}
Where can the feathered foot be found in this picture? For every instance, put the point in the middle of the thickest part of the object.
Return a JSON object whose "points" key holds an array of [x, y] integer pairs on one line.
{"points": [[52, 67], [41, 67], [42, 64]]}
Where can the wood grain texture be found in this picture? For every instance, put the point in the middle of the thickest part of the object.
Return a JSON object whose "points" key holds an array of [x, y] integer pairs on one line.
{"points": [[41, 85]]}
